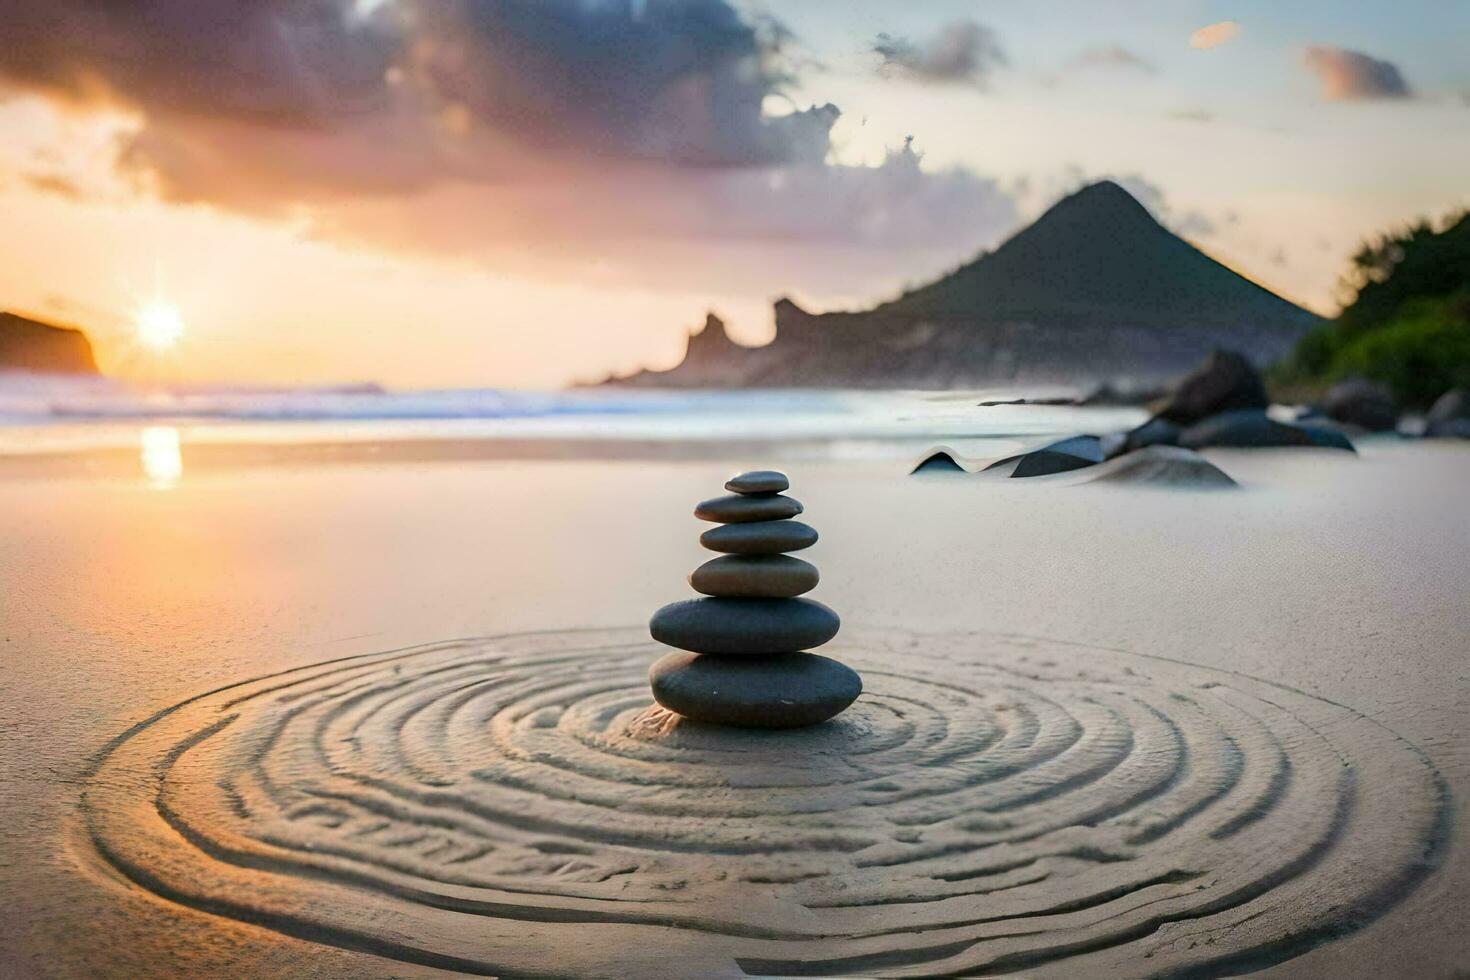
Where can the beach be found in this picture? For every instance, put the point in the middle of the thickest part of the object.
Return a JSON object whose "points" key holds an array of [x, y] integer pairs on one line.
{"points": [[1334, 581], [704, 489]]}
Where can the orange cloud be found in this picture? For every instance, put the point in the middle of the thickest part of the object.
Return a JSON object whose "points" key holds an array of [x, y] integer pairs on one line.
{"points": [[1350, 76], [555, 136], [1214, 35]]}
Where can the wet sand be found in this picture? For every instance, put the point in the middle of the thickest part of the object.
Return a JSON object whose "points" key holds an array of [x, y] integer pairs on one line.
{"points": [[1258, 695]]}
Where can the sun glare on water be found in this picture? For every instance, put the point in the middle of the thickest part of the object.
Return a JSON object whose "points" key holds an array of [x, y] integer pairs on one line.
{"points": [[159, 326], [158, 451]]}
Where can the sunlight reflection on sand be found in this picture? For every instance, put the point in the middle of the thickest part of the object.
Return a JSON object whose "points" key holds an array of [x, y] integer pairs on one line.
{"points": [[159, 455]]}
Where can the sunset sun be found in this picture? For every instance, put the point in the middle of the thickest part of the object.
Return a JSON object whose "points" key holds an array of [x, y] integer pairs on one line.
{"points": [[159, 326]]}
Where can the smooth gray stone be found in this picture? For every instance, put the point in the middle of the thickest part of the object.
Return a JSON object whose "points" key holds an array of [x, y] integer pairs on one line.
{"points": [[788, 690], [1169, 466], [758, 481], [759, 538], [740, 508], [744, 626], [755, 577]]}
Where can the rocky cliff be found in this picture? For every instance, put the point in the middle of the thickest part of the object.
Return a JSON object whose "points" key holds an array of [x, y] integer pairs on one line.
{"points": [[30, 345], [1095, 289]]}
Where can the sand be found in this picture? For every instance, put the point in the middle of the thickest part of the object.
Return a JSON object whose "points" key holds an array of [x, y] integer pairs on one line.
{"points": [[1107, 728]]}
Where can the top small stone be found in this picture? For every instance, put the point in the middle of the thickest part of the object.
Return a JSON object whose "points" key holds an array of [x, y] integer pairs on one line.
{"points": [[758, 481]]}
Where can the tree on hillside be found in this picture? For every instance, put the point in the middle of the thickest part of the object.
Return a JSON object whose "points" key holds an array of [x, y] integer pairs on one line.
{"points": [[1419, 263], [1406, 322]]}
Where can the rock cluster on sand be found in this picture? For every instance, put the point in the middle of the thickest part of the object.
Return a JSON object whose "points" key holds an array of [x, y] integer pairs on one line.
{"points": [[744, 661], [1223, 403]]}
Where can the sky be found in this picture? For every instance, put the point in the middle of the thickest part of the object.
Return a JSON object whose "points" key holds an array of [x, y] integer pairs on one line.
{"points": [[438, 193]]}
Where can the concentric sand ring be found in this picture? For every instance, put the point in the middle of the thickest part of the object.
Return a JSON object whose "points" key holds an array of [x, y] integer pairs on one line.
{"points": [[990, 804]]}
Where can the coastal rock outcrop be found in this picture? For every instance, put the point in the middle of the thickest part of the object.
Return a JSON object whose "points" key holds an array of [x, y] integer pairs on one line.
{"points": [[744, 659], [1095, 289], [44, 348], [1223, 403]]}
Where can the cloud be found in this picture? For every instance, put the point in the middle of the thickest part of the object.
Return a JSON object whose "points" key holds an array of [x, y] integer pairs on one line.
{"points": [[825, 230], [54, 184], [412, 90], [1350, 76], [598, 142], [1214, 35], [1111, 56], [962, 52]]}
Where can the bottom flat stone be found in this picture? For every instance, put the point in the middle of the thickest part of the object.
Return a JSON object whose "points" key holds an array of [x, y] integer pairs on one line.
{"points": [[784, 690]]}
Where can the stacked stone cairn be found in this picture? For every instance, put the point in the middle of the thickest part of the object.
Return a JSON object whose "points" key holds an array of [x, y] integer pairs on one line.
{"points": [[742, 658]]}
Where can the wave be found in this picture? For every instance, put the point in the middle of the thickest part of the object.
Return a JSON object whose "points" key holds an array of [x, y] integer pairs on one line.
{"points": [[29, 399]]}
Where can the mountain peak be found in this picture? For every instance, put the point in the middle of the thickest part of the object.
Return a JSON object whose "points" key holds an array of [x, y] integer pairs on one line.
{"points": [[1103, 204], [1098, 256], [1105, 189], [1095, 288]]}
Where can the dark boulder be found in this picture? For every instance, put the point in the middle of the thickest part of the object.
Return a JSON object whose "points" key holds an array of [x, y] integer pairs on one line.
{"points": [[1154, 432], [1449, 417], [1225, 382], [1360, 402], [1059, 457], [1453, 404], [1453, 429], [1253, 428]]}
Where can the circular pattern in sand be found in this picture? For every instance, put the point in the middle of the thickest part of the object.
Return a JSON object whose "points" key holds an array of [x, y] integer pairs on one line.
{"points": [[990, 804]]}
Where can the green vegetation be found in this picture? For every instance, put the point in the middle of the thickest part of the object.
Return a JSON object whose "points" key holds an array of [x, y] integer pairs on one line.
{"points": [[1406, 324]]}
